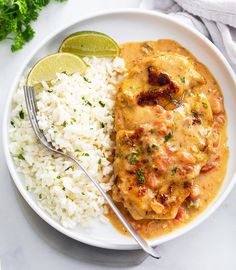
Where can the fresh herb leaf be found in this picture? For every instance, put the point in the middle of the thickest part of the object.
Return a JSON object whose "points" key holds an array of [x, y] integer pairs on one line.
{"points": [[64, 124], [132, 160], [182, 78], [174, 170], [204, 104], [77, 150], [70, 167], [87, 80], [40, 196], [101, 103], [141, 178], [102, 125], [12, 123], [139, 172], [136, 152], [168, 136], [22, 114], [100, 161], [15, 19], [85, 154], [21, 157], [88, 103]]}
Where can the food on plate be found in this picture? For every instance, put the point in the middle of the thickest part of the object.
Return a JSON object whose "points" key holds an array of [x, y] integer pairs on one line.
{"points": [[76, 114], [146, 119], [48, 67], [171, 150], [90, 43]]}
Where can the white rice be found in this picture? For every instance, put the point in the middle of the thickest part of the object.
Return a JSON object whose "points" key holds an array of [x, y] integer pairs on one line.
{"points": [[76, 114]]}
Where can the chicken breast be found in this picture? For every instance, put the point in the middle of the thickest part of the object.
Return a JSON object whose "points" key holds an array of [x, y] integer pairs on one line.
{"points": [[164, 134]]}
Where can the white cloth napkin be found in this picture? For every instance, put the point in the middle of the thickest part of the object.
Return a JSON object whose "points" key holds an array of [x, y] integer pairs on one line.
{"points": [[216, 19]]}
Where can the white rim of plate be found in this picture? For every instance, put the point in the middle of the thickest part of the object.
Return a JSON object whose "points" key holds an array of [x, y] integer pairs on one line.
{"points": [[159, 240]]}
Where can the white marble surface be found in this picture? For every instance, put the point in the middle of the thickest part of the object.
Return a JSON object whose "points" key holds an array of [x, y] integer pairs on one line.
{"points": [[28, 243]]}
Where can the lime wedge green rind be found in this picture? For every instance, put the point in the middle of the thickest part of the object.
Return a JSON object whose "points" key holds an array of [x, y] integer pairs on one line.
{"points": [[47, 68], [90, 43]]}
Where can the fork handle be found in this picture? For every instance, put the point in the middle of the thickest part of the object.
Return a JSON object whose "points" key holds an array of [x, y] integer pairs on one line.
{"points": [[142, 242]]}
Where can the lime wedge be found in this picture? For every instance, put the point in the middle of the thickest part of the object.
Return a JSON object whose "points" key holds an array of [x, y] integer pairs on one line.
{"points": [[46, 68], [90, 43]]}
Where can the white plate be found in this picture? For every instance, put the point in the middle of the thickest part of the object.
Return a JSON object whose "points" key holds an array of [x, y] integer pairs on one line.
{"points": [[134, 25]]}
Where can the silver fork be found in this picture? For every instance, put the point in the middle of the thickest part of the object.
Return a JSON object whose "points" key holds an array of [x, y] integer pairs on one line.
{"points": [[31, 108]]}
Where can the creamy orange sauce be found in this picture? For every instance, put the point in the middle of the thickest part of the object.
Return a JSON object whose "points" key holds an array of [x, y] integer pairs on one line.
{"points": [[209, 181]]}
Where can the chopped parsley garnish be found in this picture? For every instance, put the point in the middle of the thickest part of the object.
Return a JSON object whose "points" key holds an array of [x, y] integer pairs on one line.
{"points": [[141, 178], [168, 136], [204, 104], [153, 130], [101, 103], [136, 152], [87, 103], [27, 188], [77, 150], [22, 114], [102, 125], [73, 119], [132, 160], [85, 154], [100, 161], [82, 193], [182, 78], [12, 123], [64, 124], [16, 17], [70, 167], [21, 157], [74, 110], [174, 170], [87, 80], [58, 177], [64, 188], [40, 196], [50, 91]]}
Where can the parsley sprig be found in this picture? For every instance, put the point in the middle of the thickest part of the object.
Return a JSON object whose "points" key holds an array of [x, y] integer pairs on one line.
{"points": [[15, 19]]}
